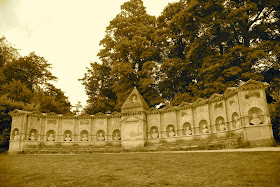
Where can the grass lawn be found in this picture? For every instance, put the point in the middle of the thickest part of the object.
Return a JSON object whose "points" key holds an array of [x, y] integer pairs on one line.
{"points": [[142, 169]]}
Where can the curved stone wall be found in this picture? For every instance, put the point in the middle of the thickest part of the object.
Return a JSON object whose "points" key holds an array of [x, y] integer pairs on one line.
{"points": [[240, 110]]}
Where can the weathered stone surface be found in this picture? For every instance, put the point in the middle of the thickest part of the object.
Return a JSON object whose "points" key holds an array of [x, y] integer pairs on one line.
{"points": [[240, 111]]}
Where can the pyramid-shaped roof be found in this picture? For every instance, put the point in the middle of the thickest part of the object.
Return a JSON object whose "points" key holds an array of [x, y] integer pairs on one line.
{"points": [[134, 103]]}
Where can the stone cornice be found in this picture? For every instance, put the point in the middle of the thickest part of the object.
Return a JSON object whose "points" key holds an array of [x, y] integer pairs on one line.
{"points": [[133, 113], [153, 111], [68, 116], [115, 115], [84, 116]]}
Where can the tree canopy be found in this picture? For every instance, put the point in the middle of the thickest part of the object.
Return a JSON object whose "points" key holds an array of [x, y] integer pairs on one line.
{"points": [[25, 83], [193, 49]]}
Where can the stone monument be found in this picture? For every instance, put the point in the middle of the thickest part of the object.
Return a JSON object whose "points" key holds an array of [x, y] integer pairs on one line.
{"points": [[240, 111], [133, 121]]}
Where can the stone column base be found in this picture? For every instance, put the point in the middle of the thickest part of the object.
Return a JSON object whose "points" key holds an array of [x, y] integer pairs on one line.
{"points": [[133, 144], [14, 147]]}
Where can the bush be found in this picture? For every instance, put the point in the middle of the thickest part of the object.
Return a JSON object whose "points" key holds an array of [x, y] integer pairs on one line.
{"points": [[4, 139]]}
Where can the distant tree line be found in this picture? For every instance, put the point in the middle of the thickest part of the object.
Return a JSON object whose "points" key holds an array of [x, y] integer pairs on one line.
{"points": [[25, 84], [193, 49]]}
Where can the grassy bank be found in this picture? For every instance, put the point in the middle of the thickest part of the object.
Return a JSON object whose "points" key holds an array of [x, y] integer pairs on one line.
{"points": [[142, 169]]}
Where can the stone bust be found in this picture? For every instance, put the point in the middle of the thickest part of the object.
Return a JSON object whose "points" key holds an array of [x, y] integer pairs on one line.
{"points": [[84, 138], [222, 126], [154, 134], [255, 120], [117, 136], [133, 98], [32, 137], [205, 129], [101, 138], [16, 136], [51, 138], [68, 138], [171, 132], [188, 131], [237, 122]]}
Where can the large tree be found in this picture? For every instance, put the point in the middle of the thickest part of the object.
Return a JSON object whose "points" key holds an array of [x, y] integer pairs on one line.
{"points": [[131, 50], [25, 84], [216, 44], [99, 88], [193, 49]]}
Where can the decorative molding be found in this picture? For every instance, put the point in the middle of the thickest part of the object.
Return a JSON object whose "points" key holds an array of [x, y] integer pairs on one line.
{"points": [[84, 116], [52, 115], [100, 115], [115, 115], [218, 105], [252, 94], [153, 111], [68, 116]]}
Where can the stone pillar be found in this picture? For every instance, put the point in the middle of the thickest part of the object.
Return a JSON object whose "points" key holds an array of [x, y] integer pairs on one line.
{"points": [[76, 134], [59, 131], [134, 121], [161, 126]]}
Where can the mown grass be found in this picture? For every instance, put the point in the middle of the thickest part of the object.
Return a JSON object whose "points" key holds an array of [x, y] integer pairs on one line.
{"points": [[142, 169]]}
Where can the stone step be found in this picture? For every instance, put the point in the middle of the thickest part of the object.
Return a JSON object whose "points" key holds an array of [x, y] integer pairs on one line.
{"points": [[177, 146]]}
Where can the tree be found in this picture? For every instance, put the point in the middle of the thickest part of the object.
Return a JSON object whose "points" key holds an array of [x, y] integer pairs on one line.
{"points": [[17, 91], [99, 87], [32, 71], [25, 85], [78, 108], [129, 48], [220, 43]]}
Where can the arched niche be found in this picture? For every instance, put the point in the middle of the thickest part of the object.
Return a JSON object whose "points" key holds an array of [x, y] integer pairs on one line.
{"points": [[187, 129], [67, 136], [133, 98], [100, 135], [170, 131], [51, 135], [235, 121], [255, 116], [15, 134], [116, 135], [154, 132], [220, 124], [33, 135], [84, 136], [203, 126]]}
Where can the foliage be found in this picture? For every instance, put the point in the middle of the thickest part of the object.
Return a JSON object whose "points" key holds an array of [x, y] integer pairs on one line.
{"points": [[193, 49], [25, 85], [99, 88], [130, 54], [32, 71]]}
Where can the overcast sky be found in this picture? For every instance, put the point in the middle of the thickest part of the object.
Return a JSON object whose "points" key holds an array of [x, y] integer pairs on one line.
{"points": [[65, 32]]}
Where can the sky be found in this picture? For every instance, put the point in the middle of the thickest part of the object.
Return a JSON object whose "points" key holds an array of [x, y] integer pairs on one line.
{"points": [[65, 32]]}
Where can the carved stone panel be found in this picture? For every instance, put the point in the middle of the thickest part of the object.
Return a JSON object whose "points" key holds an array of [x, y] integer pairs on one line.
{"points": [[16, 123], [34, 123], [51, 123], [132, 130], [84, 124]]}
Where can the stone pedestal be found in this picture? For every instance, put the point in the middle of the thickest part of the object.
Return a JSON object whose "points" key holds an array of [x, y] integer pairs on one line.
{"points": [[14, 147], [133, 132], [133, 121], [260, 135]]}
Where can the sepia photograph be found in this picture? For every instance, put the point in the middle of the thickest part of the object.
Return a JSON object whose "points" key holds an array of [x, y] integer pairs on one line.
{"points": [[139, 93]]}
